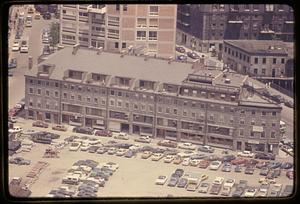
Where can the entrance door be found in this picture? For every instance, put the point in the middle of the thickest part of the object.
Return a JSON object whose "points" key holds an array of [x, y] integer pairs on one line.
{"points": [[124, 127], [39, 116], [273, 72], [239, 145]]}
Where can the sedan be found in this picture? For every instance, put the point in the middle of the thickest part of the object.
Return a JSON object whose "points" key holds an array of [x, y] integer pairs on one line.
{"points": [[186, 161], [182, 182], [275, 190], [226, 167], [266, 156], [194, 162], [111, 150], [103, 133], [93, 149], [203, 164], [129, 154], [187, 145], [13, 63], [146, 154], [228, 158], [180, 49], [83, 130], [286, 165], [229, 182], [177, 160], [186, 154], [157, 156], [215, 165], [249, 170], [167, 143], [173, 181], [193, 55], [250, 192], [161, 180], [143, 139], [121, 152], [264, 171], [169, 158], [182, 57], [238, 161], [215, 189], [59, 128], [203, 187], [16, 46], [226, 191], [19, 161], [290, 174], [238, 192], [74, 146], [40, 124], [102, 150]]}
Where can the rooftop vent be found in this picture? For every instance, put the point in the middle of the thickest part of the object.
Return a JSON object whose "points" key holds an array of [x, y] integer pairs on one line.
{"points": [[75, 48], [100, 49], [227, 81]]}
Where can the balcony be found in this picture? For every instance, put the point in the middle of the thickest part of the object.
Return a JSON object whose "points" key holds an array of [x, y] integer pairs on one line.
{"points": [[70, 30], [69, 17], [96, 10]]}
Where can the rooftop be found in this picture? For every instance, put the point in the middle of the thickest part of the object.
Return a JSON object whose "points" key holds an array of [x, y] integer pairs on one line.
{"points": [[260, 46]]}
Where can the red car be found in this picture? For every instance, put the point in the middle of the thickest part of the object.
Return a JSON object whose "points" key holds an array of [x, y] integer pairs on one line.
{"points": [[40, 124], [290, 174], [104, 133], [238, 161], [203, 164]]}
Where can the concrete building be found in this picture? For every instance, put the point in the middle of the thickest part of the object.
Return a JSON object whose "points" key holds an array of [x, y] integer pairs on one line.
{"points": [[256, 57], [147, 29], [205, 26], [150, 96]]}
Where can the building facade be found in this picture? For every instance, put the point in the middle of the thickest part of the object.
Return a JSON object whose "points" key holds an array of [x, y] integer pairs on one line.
{"points": [[205, 26], [146, 29], [256, 57], [137, 95]]}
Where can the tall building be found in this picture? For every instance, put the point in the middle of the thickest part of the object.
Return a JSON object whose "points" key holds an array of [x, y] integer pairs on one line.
{"points": [[154, 97], [205, 26], [144, 29]]}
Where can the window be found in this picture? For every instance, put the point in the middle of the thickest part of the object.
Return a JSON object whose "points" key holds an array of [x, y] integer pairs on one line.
{"points": [[252, 122], [159, 109], [248, 59], [263, 135], [141, 35], [88, 99], [184, 113], [222, 7], [152, 35], [167, 110], [39, 105], [127, 105], [273, 113], [246, 7], [47, 93], [31, 90], [255, 7], [255, 71], [79, 97], [273, 134], [47, 105], [119, 93], [141, 22], [251, 134], [242, 111], [175, 111], [112, 102], [231, 119], [65, 95], [150, 108], [123, 45], [269, 7], [274, 60], [153, 11], [242, 122], [264, 60], [125, 7], [225, 49], [282, 60], [255, 60], [116, 45], [103, 102], [263, 71], [153, 23], [39, 82], [241, 132], [39, 91], [152, 47], [193, 115], [112, 92], [135, 106], [56, 93], [253, 112], [273, 124], [263, 123], [118, 7], [211, 117], [119, 103], [263, 113], [72, 97]]}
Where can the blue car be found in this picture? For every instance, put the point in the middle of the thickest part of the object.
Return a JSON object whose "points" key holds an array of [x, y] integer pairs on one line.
{"points": [[182, 57], [13, 63]]}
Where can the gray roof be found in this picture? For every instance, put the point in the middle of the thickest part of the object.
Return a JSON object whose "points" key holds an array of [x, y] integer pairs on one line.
{"points": [[260, 46], [112, 64]]}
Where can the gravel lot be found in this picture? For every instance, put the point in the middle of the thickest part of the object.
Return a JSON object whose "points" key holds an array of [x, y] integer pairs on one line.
{"points": [[134, 178]]}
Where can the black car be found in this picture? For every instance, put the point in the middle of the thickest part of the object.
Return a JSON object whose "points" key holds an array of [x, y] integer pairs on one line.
{"points": [[180, 49], [193, 55], [179, 172], [286, 165], [238, 169], [93, 149], [249, 170], [266, 156], [264, 171], [46, 16], [228, 158], [83, 130], [13, 63]]}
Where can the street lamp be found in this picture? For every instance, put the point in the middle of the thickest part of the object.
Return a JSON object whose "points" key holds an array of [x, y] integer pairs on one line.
{"points": [[193, 41]]}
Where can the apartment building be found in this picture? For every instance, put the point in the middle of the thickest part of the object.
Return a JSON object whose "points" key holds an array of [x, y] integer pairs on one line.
{"points": [[146, 29], [150, 96], [256, 57], [205, 26]]}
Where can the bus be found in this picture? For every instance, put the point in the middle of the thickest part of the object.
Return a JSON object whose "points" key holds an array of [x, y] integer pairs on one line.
{"points": [[282, 127]]}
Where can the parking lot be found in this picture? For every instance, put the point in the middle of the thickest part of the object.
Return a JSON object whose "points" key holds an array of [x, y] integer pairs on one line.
{"points": [[135, 177]]}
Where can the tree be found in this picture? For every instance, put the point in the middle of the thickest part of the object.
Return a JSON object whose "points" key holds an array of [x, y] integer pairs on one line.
{"points": [[54, 33]]}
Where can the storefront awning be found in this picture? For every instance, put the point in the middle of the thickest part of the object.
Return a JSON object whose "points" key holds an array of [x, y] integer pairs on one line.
{"points": [[258, 129]]}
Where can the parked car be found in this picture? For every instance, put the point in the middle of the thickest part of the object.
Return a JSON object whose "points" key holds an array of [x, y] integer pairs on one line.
{"points": [[226, 167], [264, 171], [286, 165], [226, 191], [59, 128], [19, 161], [180, 49], [46, 16], [238, 168], [215, 165], [146, 154], [203, 187], [40, 124], [275, 190], [289, 104], [12, 63], [287, 191], [169, 158], [186, 161], [276, 173], [122, 136], [274, 165], [238, 192], [249, 170], [104, 133], [161, 180], [206, 148], [93, 149], [177, 160], [182, 182], [16, 46], [228, 158], [245, 154], [238, 161], [129, 153], [182, 57], [192, 184], [173, 181], [194, 162], [250, 192], [204, 164], [186, 154], [157, 156], [121, 152], [83, 130], [263, 190], [229, 182], [102, 150], [179, 172], [193, 55], [74, 146], [215, 189], [143, 139], [167, 143], [267, 180], [111, 150], [266, 156], [187, 145], [290, 174], [15, 130]]}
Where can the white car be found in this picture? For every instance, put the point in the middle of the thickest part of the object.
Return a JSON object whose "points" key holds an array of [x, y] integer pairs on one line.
{"points": [[94, 141], [203, 187], [262, 193], [194, 162], [16, 46], [135, 147], [122, 136], [112, 165], [187, 145], [186, 154], [16, 129], [226, 191], [24, 48], [229, 183], [245, 154], [74, 146], [275, 190], [161, 180], [215, 165], [157, 156], [169, 158], [186, 161], [218, 180], [121, 152], [250, 192], [85, 146], [143, 139]]}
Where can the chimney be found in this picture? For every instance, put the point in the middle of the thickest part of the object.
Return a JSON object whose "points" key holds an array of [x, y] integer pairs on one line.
{"points": [[75, 48], [100, 49], [170, 60]]}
